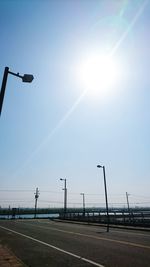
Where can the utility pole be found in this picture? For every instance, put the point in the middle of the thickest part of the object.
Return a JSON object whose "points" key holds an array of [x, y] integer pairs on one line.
{"points": [[128, 203], [105, 186], [8, 211], [83, 195], [65, 195], [65, 188], [36, 198]]}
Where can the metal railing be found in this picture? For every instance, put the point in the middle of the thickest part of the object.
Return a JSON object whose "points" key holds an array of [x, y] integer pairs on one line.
{"points": [[141, 218]]}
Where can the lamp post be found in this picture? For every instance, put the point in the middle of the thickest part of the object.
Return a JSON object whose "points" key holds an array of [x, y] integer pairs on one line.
{"points": [[83, 195], [28, 78], [128, 201], [127, 195], [65, 195], [36, 198], [103, 167]]}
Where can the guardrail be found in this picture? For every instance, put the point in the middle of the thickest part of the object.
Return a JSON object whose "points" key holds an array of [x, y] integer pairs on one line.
{"points": [[117, 218]]}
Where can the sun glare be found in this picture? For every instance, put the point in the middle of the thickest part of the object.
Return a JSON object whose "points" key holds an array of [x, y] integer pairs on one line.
{"points": [[99, 74]]}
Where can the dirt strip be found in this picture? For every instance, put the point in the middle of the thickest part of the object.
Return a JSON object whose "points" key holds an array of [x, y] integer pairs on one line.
{"points": [[8, 259]]}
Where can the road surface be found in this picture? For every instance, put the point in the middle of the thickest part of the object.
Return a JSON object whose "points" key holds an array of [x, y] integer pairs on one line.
{"points": [[41, 243]]}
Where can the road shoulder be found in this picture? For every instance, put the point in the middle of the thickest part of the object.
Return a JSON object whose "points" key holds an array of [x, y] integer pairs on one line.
{"points": [[7, 258]]}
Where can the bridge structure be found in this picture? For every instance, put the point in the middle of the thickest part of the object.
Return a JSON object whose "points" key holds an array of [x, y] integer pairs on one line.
{"points": [[134, 217]]}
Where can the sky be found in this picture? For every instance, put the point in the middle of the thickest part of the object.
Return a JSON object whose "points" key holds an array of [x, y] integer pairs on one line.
{"points": [[62, 125]]}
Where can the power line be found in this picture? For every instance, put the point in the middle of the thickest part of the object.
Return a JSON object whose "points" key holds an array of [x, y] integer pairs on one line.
{"points": [[15, 190]]}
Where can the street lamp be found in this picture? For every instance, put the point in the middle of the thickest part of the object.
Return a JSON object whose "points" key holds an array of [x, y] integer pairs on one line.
{"points": [[65, 195], [83, 195], [127, 197], [27, 78], [36, 198], [103, 167]]}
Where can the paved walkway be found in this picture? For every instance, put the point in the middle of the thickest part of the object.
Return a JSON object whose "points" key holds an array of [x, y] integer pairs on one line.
{"points": [[8, 259]]}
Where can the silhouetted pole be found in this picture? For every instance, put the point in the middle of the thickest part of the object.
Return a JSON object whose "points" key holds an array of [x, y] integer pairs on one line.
{"points": [[128, 204], [3, 88], [107, 211], [65, 195], [36, 198], [83, 195], [25, 78], [8, 211]]}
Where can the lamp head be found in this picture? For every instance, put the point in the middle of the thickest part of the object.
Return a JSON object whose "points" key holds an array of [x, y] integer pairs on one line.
{"points": [[27, 78], [99, 166]]}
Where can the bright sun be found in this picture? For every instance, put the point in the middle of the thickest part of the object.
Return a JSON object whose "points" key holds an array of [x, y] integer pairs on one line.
{"points": [[99, 74]]}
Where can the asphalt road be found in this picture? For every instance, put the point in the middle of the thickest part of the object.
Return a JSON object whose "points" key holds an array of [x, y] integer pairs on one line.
{"points": [[41, 243]]}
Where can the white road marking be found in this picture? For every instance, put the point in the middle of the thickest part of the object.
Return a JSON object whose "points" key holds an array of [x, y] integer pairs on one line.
{"points": [[94, 237], [51, 246], [120, 231]]}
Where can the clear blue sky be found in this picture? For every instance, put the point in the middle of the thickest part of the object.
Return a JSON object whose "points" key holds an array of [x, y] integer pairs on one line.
{"points": [[48, 128]]}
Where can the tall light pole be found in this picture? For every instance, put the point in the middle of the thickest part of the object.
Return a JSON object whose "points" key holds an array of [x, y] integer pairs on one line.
{"points": [[107, 211], [28, 78], [83, 195], [36, 198], [65, 195], [127, 197]]}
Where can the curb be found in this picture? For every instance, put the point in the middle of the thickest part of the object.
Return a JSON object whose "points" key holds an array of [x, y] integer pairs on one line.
{"points": [[136, 228]]}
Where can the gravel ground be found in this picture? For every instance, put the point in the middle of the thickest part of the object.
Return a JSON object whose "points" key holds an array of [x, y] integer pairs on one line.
{"points": [[8, 259]]}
